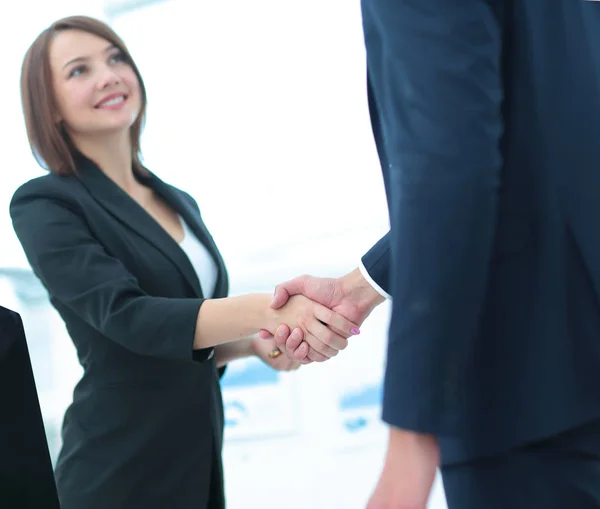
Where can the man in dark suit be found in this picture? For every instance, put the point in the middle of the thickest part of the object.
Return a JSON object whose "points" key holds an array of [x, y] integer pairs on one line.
{"points": [[486, 115], [26, 476]]}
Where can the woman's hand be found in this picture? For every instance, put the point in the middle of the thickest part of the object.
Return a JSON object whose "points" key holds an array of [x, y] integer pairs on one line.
{"points": [[263, 347], [326, 331]]}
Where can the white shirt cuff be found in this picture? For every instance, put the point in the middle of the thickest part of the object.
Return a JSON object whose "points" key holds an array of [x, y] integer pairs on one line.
{"points": [[369, 279]]}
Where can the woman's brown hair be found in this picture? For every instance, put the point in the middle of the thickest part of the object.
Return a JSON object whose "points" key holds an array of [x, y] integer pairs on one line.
{"points": [[49, 142]]}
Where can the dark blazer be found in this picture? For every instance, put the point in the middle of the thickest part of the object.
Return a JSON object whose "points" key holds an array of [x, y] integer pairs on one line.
{"points": [[26, 476], [145, 426], [486, 115]]}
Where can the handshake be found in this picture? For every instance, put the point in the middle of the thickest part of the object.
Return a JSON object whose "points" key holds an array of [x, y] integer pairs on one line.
{"points": [[339, 307]]}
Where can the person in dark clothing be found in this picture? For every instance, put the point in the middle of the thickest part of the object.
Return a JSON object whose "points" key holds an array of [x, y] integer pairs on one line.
{"points": [[26, 476], [486, 116], [139, 282]]}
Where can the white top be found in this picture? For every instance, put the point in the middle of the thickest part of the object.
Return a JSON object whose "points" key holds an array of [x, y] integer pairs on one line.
{"points": [[200, 258]]}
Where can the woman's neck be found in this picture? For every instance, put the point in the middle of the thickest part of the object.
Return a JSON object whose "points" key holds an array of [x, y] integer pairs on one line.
{"points": [[113, 155]]}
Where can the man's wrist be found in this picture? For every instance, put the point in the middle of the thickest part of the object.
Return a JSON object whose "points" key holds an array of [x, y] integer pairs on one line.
{"points": [[365, 273], [362, 292], [404, 439]]}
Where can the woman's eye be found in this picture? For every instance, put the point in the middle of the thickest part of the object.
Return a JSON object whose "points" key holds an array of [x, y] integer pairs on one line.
{"points": [[77, 71], [118, 58]]}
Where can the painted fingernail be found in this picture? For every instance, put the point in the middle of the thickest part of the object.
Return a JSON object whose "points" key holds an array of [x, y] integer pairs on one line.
{"points": [[355, 331]]}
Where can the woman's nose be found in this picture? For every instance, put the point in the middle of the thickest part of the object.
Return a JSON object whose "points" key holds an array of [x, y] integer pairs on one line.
{"points": [[108, 77]]}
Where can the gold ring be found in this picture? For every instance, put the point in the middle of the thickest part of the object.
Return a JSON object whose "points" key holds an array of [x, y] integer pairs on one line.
{"points": [[273, 354]]}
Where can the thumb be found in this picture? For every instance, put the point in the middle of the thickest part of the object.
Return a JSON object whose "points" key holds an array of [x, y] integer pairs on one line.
{"points": [[285, 290]]}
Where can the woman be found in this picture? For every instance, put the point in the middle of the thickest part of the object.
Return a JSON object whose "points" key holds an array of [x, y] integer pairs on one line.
{"points": [[139, 283]]}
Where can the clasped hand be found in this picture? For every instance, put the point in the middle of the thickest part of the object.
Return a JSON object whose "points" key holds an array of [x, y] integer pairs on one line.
{"points": [[341, 305], [326, 332]]}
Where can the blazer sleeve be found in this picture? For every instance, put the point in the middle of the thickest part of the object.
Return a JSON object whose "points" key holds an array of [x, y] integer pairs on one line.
{"points": [[439, 92], [79, 273], [377, 263]]}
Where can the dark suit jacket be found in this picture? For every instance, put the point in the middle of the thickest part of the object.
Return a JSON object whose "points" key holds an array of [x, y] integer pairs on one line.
{"points": [[145, 426], [486, 115], [26, 476]]}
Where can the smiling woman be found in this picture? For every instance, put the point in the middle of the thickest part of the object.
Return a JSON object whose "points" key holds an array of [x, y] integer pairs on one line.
{"points": [[140, 284], [77, 55], [80, 84]]}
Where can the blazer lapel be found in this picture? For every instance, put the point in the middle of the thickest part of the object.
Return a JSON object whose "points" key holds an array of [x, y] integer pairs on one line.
{"points": [[192, 218], [127, 211]]}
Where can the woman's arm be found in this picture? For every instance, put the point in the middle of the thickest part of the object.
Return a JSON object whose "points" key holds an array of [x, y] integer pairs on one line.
{"points": [[230, 319], [81, 275], [224, 320], [233, 350]]}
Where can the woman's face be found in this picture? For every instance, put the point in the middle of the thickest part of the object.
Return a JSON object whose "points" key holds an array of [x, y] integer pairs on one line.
{"points": [[97, 91]]}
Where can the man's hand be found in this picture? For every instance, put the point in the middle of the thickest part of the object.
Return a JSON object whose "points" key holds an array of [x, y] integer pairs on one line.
{"points": [[408, 473], [351, 296]]}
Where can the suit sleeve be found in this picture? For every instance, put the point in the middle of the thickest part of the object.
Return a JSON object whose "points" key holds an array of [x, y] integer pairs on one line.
{"points": [[377, 263], [80, 274], [435, 74]]}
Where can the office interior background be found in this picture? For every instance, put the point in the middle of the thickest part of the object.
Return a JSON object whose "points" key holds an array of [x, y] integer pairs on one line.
{"points": [[259, 110]]}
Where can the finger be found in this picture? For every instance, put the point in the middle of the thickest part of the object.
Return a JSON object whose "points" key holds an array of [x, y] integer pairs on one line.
{"points": [[326, 336], [265, 334], [280, 297], [295, 339], [283, 331], [316, 343], [336, 330], [342, 326], [301, 352], [314, 356], [285, 290], [305, 360], [281, 336]]}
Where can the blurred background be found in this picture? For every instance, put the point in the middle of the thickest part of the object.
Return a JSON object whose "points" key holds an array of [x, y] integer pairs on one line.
{"points": [[257, 109]]}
